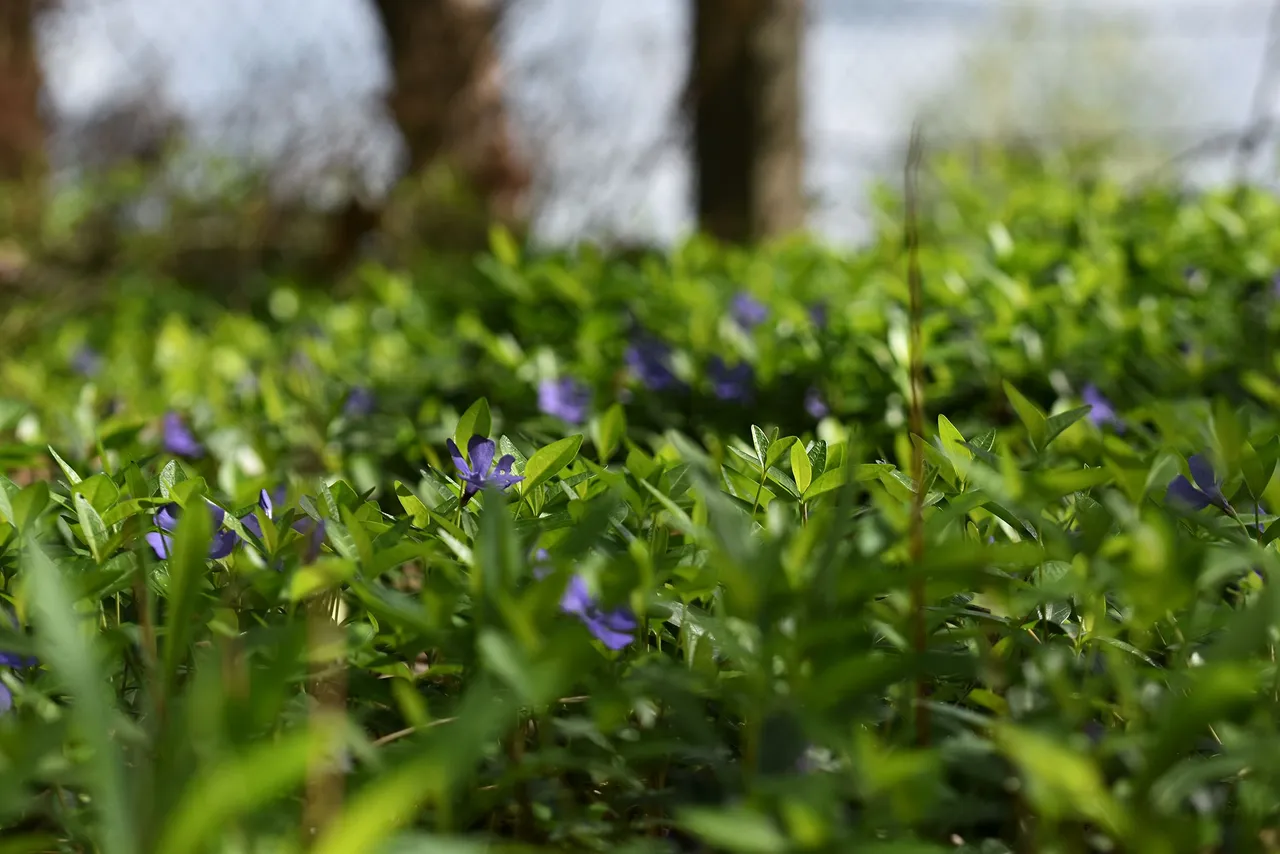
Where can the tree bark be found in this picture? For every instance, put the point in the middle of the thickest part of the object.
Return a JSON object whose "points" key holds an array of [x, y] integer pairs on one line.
{"points": [[446, 96], [744, 96], [22, 130]]}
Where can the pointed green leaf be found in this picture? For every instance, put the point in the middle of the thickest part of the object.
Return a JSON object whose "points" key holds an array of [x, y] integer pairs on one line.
{"points": [[1056, 424], [607, 431], [801, 467], [818, 455], [170, 475], [72, 477], [29, 504], [91, 525], [236, 785], [412, 504], [188, 564], [1032, 417], [66, 649], [547, 462], [778, 449], [476, 421], [761, 443]]}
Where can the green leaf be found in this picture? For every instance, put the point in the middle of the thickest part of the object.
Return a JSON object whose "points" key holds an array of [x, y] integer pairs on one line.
{"points": [[818, 455], [761, 442], [238, 785], [419, 516], [735, 829], [29, 505], [476, 421], [99, 489], [682, 520], [506, 446], [1060, 782], [325, 574], [91, 524], [72, 477], [824, 483], [66, 649], [778, 449], [547, 462], [1056, 424], [188, 563], [1032, 416], [1258, 465], [7, 491], [359, 538], [607, 431], [395, 797], [1228, 433], [801, 467], [504, 247], [170, 476]]}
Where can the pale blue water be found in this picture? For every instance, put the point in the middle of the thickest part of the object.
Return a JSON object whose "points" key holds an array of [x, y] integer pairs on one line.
{"points": [[595, 84]]}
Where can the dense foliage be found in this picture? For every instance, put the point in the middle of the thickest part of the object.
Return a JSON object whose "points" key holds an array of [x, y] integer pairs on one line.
{"points": [[578, 553]]}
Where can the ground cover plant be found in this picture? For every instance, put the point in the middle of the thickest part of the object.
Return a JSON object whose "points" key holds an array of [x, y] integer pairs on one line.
{"points": [[600, 554]]}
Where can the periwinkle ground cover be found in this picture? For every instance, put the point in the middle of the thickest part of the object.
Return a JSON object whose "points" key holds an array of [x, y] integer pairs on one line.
{"points": [[617, 556]]}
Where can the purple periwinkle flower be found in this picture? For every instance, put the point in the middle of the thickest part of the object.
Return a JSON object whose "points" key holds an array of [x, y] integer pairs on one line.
{"points": [[1275, 286], [541, 564], [360, 403], [730, 382], [615, 629], [477, 475], [747, 311], [161, 542], [818, 315], [311, 529], [815, 405], [649, 360], [565, 398], [86, 361], [13, 659], [267, 501], [178, 438], [1102, 412], [1204, 492]]}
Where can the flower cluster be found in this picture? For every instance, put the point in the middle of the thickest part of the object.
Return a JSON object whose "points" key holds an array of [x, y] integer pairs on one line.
{"points": [[481, 471]]}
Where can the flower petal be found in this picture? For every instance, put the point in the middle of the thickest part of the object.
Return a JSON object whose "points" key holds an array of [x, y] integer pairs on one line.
{"points": [[252, 525], [577, 597], [458, 462], [610, 630], [1182, 492], [224, 542], [167, 518], [1202, 472], [216, 513], [160, 543], [265, 502], [481, 451], [6, 698]]}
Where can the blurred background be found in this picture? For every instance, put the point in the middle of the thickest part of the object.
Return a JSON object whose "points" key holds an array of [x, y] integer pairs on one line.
{"points": [[331, 126]]}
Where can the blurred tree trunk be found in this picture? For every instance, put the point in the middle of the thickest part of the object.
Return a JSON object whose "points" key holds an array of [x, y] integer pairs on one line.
{"points": [[22, 132], [744, 96], [446, 96]]}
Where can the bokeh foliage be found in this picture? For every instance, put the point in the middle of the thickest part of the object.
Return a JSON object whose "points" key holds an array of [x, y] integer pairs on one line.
{"points": [[1099, 666]]}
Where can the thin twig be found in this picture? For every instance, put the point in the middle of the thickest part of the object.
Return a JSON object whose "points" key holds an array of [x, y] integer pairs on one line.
{"points": [[911, 233], [328, 688]]}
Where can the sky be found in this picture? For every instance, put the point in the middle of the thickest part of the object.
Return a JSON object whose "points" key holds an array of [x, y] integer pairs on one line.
{"points": [[594, 85]]}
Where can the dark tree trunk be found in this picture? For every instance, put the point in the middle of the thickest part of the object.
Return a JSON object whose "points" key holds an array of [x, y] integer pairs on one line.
{"points": [[744, 96], [446, 96], [22, 131]]}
